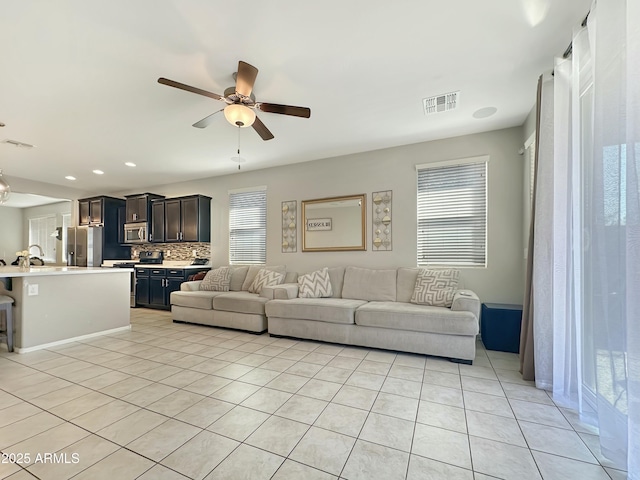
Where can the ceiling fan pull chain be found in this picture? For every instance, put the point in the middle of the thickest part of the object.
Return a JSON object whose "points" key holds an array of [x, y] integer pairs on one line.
{"points": [[238, 147]]}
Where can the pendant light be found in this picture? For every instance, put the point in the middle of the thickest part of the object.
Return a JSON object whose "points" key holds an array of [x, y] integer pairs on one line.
{"points": [[5, 189], [238, 159]]}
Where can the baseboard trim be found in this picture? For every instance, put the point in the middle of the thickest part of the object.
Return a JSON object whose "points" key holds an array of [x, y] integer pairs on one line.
{"points": [[74, 339]]}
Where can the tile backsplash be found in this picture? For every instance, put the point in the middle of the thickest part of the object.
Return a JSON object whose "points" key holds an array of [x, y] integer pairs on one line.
{"points": [[176, 251]]}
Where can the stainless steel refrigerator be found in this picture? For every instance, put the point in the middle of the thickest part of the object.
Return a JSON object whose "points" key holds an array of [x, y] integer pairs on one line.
{"points": [[84, 246]]}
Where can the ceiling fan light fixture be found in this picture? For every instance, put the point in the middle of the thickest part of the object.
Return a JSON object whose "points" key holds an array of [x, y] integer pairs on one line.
{"points": [[239, 115]]}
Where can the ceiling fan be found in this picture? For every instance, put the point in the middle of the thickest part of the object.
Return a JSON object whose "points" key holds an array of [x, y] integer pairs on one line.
{"points": [[241, 102]]}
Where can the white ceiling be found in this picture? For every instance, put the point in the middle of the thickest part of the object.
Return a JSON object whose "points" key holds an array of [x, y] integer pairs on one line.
{"points": [[79, 79]]}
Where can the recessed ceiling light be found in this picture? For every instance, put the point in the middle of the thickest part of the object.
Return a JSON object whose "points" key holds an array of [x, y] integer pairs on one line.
{"points": [[130, 164], [484, 112], [98, 172], [70, 177]]}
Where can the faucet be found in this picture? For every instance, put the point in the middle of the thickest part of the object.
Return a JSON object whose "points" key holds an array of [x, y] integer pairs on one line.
{"points": [[39, 248]]}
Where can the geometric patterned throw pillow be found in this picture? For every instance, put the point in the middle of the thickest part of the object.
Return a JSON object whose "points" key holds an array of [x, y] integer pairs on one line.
{"points": [[217, 280], [265, 278], [315, 284], [435, 287]]}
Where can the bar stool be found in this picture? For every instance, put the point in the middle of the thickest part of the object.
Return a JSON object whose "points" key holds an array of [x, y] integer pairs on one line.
{"points": [[6, 305]]}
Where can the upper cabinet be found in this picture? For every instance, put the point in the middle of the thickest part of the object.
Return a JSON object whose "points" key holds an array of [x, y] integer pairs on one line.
{"points": [[157, 221], [186, 219], [139, 207], [96, 210], [106, 212]]}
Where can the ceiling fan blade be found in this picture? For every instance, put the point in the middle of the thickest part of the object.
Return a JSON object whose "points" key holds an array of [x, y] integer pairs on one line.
{"points": [[188, 88], [206, 121], [246, 78], [262, 130], [303, 112]]}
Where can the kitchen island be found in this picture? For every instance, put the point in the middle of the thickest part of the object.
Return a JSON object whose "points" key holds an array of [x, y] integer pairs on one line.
{"points": [[56, 305]]}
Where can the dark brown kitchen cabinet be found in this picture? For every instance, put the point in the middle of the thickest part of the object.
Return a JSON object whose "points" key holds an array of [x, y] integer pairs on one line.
{"points": [[90, 211], [139, 207], [106, 212], [187, 219], [154, 285], [157, 221], [96, 210]]}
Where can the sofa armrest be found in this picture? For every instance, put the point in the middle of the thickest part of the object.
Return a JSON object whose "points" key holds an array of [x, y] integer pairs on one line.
{"points": [[466, 300], [285, 291], [190, 286]]}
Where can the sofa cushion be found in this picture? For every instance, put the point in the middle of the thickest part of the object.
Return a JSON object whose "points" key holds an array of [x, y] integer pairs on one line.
{"points": [[217, 280], [369, 284], [435, 287], [417, 318], [201, 299], [330, 310], [240, 302], [238, 274], [406, 284], [336, 275], [253, 271], [265, 278], [315, 284]]}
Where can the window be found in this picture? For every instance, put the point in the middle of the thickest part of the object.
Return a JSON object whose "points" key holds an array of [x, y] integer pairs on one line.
{"points": [[452, 213], [40, 230], [248, 226]]}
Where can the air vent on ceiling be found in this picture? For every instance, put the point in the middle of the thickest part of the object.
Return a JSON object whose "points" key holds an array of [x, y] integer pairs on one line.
{"points": [[16, 143], [441, 103]]}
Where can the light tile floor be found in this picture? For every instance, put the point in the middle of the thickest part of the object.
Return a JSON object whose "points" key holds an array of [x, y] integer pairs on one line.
{"points": [[173, 401]]}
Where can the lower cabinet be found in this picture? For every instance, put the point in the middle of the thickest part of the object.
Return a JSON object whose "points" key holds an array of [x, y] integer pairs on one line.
{"points": [[154, 285]]}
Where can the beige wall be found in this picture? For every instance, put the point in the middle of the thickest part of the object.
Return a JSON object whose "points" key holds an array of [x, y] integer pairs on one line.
{"points": [[10, 233], [388, 169]]}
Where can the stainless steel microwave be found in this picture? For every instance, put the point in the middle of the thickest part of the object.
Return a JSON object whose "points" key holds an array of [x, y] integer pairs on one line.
{"points": [[136, 233]]}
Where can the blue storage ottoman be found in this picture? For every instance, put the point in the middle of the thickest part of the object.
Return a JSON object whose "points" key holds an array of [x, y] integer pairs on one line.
{"points": [[500, 327]]}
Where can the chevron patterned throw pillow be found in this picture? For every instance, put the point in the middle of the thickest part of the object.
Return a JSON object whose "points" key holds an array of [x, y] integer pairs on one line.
{"points": [[435, 287], [315, 284], [217, 280], [265, 278]]}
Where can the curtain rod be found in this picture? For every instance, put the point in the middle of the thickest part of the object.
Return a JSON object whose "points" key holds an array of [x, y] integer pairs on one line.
{"points": [[567, 52]]}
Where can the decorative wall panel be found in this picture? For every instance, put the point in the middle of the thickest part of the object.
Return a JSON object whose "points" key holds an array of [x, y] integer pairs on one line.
{"points": [[381, 206], [289, 227]]}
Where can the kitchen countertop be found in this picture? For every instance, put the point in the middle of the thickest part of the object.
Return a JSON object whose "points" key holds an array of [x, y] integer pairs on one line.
{"points": [[182, 264], [6, 272], [169, 265]]}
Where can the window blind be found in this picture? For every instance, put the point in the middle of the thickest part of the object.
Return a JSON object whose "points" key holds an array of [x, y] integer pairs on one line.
{"points": [[452, 215], [248, 227], [40, 230]]}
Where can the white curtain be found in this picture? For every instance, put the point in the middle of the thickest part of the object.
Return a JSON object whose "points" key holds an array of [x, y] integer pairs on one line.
{"points": [[592, 236]]}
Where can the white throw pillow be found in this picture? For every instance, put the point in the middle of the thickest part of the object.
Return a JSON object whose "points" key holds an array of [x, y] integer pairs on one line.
{"points": [[435, 287], [217, 280], [265, 278], [315, 284]]}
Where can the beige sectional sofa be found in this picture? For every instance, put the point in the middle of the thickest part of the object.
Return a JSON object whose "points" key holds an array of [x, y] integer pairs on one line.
{"points": [[372, 308], [236, 308], [369, 307]]}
